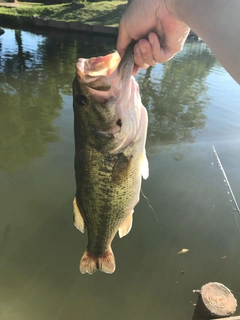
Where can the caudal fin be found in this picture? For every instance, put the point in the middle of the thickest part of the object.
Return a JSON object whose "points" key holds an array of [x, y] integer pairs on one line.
{"points": [[90, 263]]}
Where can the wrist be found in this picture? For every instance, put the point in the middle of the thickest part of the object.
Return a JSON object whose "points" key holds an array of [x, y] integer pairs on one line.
{"points": [[179, 8]]}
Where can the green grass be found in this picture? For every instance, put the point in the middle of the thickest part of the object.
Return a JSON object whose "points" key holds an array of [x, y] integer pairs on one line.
{"points": [[103, 13]]}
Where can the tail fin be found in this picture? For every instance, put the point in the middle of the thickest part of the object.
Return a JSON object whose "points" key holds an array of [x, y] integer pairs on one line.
{"points": [[105, 263]]}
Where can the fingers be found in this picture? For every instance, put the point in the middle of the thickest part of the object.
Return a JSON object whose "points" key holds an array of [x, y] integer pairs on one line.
{"points": [[159, 33], [148, 52], [160, 52], [143, 54]]}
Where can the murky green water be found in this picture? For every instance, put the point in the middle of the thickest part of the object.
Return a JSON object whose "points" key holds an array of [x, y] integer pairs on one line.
{"points": [[193, 104]]}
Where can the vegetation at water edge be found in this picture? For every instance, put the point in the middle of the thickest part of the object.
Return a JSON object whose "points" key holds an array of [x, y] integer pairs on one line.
{"points": [[103, 12]]}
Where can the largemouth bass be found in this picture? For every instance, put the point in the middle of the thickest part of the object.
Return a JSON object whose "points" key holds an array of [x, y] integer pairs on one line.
{"points": [[110, 128]]}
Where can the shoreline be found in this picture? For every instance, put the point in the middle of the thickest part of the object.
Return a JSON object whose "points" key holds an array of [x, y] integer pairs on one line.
{"points": [[74, 26], [37, 22]]}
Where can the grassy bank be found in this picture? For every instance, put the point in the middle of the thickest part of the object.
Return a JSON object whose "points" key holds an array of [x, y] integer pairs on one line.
{"points": [[103, 13]]}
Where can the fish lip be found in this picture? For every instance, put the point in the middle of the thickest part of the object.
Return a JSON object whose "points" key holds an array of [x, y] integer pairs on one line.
{"points": [[104, 68], [99, 73], [98, 66], [95, 80]]}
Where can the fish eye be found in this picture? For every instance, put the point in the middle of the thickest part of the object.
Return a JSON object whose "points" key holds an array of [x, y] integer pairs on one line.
{"points": [[81, 99]]}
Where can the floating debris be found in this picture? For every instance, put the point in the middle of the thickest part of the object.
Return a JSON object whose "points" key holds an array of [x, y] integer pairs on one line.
{"points": [[183, 251]]}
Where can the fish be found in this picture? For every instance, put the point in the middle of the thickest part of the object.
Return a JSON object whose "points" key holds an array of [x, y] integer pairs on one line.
{"points": [[110, 130]]}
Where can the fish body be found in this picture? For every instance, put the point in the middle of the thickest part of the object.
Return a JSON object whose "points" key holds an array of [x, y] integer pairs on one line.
{"points": [[110, 127]]}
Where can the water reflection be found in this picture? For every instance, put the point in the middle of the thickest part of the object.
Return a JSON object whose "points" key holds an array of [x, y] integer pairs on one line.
{"points": [[33, 82], [177, 99], [30, 101], [31, 89], [39, 247]]}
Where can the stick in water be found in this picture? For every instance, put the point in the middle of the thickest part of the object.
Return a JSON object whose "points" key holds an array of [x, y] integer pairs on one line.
{"points": [[226, 179]]}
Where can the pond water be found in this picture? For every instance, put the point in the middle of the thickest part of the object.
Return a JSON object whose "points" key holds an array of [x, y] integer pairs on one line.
{"points": [[193, 105]]}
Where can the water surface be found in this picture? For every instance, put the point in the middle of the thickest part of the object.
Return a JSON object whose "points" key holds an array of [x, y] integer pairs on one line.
{"points": [[193, 104]]}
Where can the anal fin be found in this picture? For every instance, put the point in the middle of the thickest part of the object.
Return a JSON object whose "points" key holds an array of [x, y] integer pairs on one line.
{"points": [[126, 226], [77, 217], [90, 263]]}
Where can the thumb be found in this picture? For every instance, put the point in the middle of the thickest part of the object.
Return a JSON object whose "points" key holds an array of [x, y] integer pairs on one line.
{"points": [[123, 39]]}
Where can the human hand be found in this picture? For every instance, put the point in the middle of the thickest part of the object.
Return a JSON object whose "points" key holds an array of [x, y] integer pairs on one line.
{"points": [[154, 24]]}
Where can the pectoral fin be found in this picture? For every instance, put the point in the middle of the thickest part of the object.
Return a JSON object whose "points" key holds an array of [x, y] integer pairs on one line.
{"points": [[145, 167], [77, 217], [126, 226]]}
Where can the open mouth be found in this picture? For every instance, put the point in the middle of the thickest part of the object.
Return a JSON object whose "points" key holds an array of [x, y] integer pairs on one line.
{"points": [[96, 72]]}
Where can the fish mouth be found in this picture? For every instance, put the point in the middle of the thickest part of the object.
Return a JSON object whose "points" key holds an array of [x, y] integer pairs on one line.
{"points": [[96, 73]]}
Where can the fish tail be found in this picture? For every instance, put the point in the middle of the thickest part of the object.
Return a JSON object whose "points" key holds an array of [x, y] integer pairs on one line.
{"points": [[106, 263], [90, 263]]}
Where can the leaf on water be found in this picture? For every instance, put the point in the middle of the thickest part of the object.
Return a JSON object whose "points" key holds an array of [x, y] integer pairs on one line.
{"points": [[183, 251]]}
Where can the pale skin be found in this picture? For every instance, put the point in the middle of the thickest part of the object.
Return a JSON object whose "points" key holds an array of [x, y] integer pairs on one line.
{"points": [[161, 27]]}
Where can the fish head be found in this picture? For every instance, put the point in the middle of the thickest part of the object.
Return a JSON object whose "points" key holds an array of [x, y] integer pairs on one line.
{"points": [[106, 101], [92, 92]]}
